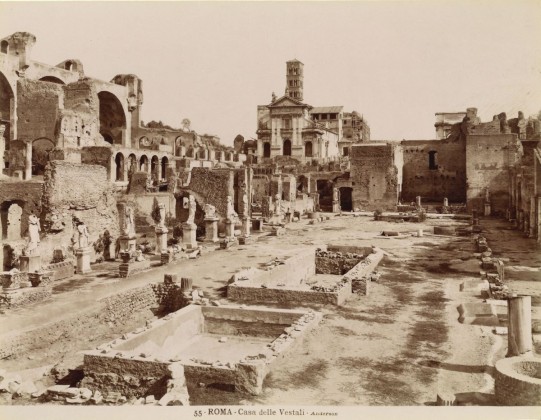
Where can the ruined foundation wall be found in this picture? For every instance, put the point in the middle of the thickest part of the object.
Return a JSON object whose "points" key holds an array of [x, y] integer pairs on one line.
{"points": [[488, 160], [374, 177], [80, 190], [38, 105], [213, 186]]}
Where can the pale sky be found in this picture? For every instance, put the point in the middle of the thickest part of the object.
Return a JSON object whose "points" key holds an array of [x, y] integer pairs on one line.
{"points": [[397, 63]]}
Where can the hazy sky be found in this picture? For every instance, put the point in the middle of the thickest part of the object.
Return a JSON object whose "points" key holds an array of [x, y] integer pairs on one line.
{"points": [[397, 63]]}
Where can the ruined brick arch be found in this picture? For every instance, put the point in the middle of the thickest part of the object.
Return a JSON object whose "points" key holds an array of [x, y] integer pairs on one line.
{"points": [[120, 167], [164, 163], [40, 154], [155, 168], [112, 117], [143, 163], [132, 164], [52, 79]]}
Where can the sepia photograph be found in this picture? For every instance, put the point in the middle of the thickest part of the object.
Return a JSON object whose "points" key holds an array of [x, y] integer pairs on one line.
{"points": [[270, 209]]}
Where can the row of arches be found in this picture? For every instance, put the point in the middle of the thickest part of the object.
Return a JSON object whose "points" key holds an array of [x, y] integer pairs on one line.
{"points": [[124, 167]]}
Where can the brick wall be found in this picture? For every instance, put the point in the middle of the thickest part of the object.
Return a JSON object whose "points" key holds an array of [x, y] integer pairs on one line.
{"points": [[488, 159], [213, 187], [374, 176]]}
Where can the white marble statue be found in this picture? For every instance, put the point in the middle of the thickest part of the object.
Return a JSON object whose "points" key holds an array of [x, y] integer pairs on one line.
{"points": [[191, 210], [83, 235], [129, 223], [33, 233]]}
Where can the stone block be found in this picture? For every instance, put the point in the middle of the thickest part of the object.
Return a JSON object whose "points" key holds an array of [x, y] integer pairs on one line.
{"points": [[30, 263], [170, 278], [130, 268]]}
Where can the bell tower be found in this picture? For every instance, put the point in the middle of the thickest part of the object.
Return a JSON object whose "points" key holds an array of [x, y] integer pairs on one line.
{"points": [[294, 79]]}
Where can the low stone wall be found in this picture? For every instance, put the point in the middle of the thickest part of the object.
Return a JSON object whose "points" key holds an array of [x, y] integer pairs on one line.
{"points": [[61, 270], [238, 292], [117, 308], [335, 262], [25, 296], [131, 378], [360, 274], [113, 368], [518, 381]]}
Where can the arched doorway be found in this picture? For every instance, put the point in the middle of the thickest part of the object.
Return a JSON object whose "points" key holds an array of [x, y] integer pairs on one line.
{"points": [[112, 118], [308, 149], [266, 150], [346, 203], [6, 101], [40, 155], [189, 152], [119, 161], [165, 162], [287, 147], [132, 164], [155, 168], [143, 164]]}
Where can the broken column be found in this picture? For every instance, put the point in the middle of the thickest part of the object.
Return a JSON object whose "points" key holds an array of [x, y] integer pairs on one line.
{"points": [[189, 227], [487, 208], [230, 220], [2, 147], [161, 231], [519, 315], [445, 202], [418, 201]]}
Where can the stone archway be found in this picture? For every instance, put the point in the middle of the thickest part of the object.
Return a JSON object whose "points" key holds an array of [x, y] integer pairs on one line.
{"points": [[165, 162], [119, 161], [6, 107], [112, 117]]}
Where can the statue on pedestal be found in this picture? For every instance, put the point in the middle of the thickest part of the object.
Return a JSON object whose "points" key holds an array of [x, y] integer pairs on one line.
{"points": [[161, 223]]}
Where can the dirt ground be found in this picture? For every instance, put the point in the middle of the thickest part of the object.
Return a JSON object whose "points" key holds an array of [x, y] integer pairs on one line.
{"points": [[400, 345]]}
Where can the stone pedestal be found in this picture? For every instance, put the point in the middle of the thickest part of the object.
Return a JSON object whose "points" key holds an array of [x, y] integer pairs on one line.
{"points": [[83, 260], [189, 235], [30, 263], [487, 209], [161, 239], [211, 230], [127, 243], [246, 225], [229, 229]]}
